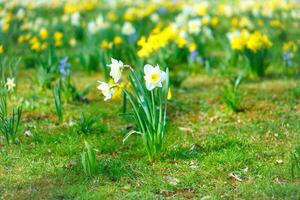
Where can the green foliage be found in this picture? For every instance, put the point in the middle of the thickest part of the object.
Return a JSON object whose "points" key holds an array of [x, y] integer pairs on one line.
{"points": [[295, 92], [295, 159], [150, 114], [86, 124], [258, 61], [231, 96], [88, 160], [115, 169], [9, 123], [58, 102], [178, 77], [73, 94], [9, 67], [47, 68], [89, 60], [69, 90]]}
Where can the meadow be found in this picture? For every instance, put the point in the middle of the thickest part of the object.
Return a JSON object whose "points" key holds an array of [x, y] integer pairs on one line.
{"points": [[149, 99]]}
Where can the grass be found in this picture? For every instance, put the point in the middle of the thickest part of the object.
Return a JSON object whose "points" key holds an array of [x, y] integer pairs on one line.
{"points": [[210, 152]]}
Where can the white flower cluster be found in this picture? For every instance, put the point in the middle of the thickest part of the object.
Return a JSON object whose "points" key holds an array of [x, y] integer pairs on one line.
{"points": [[154, 77]]}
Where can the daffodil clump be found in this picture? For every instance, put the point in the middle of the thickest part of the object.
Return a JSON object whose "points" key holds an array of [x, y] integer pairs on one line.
{"points": [[254, 46], [243, 40], [258, 41], [148, 98], [41, 40], [10, 115], [156, 40]]}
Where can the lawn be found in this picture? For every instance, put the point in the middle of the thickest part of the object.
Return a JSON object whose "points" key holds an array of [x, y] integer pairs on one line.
{"points": [[210, 152]]}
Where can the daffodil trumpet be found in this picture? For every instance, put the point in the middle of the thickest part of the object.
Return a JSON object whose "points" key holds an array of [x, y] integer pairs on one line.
{"points": [[148, 100]]}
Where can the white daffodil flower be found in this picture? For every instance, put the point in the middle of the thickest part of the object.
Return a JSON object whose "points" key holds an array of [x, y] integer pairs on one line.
{"points": [[116, 68], [92, 28], [106, 90], [154, 17], [100, 23], [194, 26], [21, 13], [128, 29], [154, 76], [75, 19], [232, 35], [10, 84]]}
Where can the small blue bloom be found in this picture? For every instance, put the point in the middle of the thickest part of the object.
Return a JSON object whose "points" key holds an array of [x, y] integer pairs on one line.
{"points": [[162, 11], [288, 59], [195, 58], [132, 38], [64, 66]]}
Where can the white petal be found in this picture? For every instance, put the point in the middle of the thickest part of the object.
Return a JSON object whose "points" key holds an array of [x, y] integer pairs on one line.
{"points": [[149, 86], [113, 60], [163, 76], [159, 84], [148, 69], [121, 65]]}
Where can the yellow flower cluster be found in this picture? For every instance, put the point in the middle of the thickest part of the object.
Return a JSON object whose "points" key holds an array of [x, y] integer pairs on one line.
{"points": [[37, 45], [239, 41], [44, 33], [118, 91], [277, 23], [290, 47], [242, 22], [23, 38], [158, 39], [6, 22], [58, 36], [257, 41], [267, 6], [111, 16], [108, 45], [172, 6], [139, 12], [118, 40], [73, 7], [253, 42]]}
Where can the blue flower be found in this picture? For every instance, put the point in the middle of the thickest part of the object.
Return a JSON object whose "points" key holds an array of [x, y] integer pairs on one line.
{"points": [[288, 59], [163, 11], [133, 38], [64, 66], [195, 58]]}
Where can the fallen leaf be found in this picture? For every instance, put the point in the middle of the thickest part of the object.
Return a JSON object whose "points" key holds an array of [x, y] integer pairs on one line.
{"points": [[28, 133], [235, 176], [186, 129], [279, 161]]}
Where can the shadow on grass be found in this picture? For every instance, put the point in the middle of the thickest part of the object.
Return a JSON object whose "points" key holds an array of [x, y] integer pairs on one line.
{"points": [[274, 77], [215, 144], [114, 170], [286, 191], [69, 182]]}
